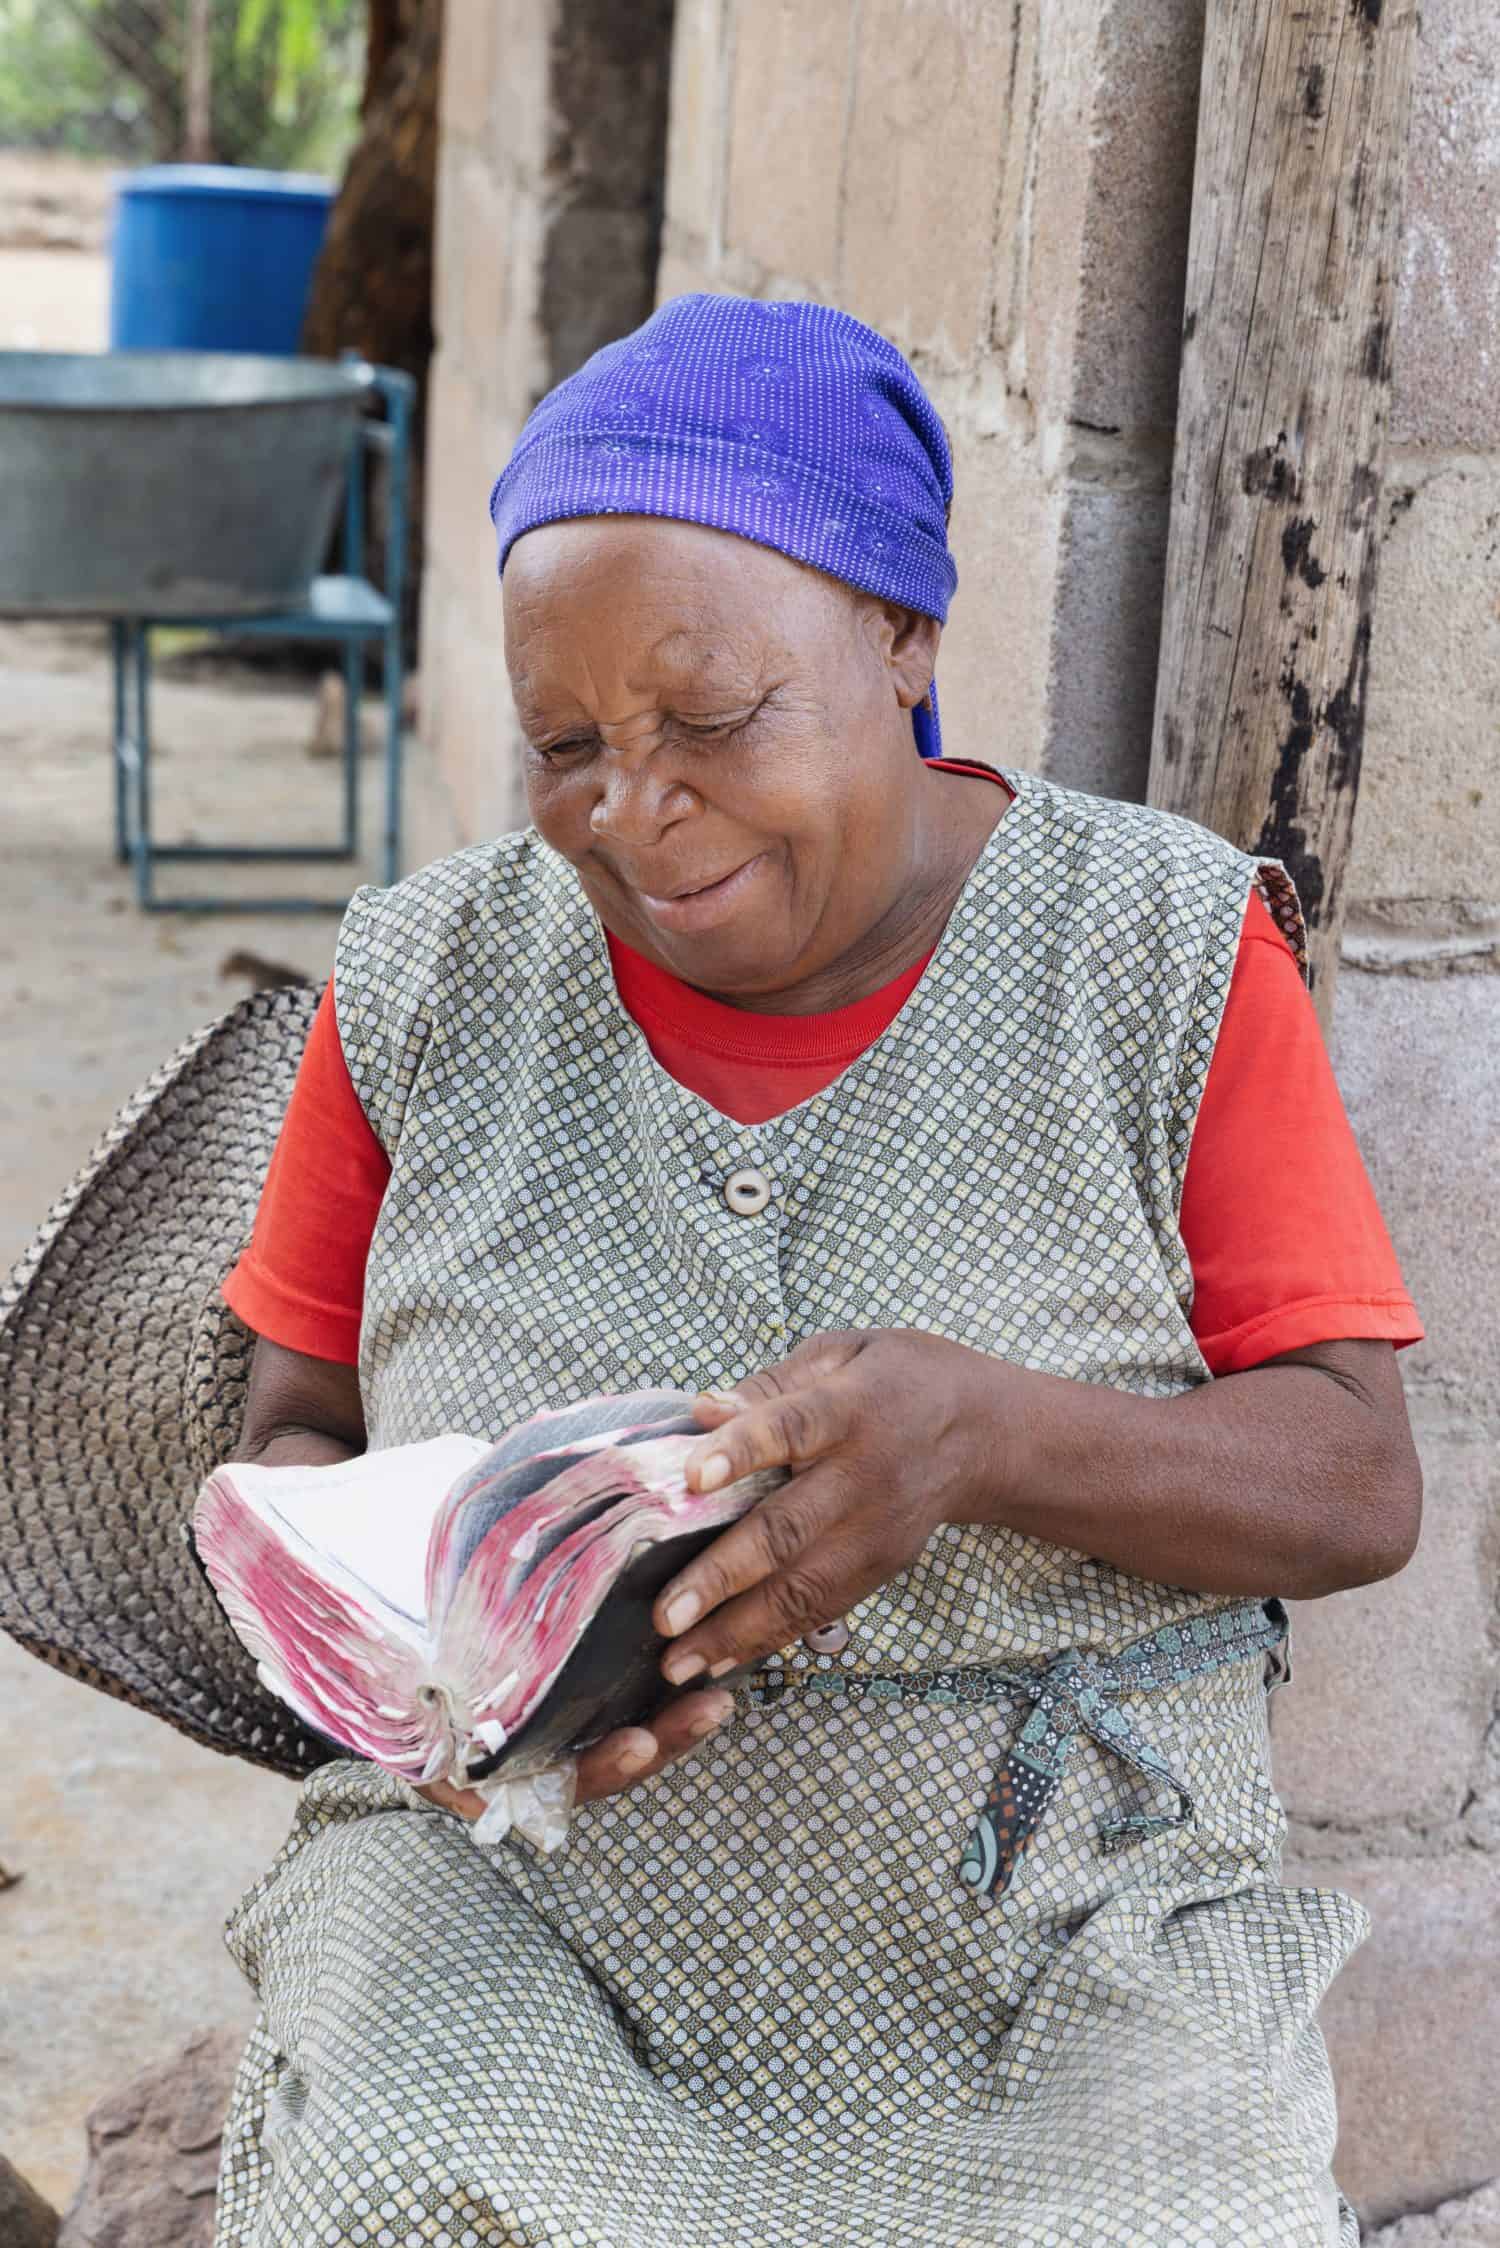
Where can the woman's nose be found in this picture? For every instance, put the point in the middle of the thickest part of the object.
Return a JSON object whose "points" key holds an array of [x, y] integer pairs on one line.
{"points": [[637, 801]]}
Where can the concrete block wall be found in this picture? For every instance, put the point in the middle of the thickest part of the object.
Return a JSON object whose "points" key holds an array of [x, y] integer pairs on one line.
{"points": [[891, 156], [553, 117], [1005, 191]]}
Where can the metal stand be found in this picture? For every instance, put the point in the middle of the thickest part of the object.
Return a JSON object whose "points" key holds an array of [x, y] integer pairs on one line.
{"points": [[347, 609]]}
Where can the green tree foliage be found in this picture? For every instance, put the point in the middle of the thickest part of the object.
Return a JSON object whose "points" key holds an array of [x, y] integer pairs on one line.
{"points": [[299, 33], [58, 88], [107, 78]]}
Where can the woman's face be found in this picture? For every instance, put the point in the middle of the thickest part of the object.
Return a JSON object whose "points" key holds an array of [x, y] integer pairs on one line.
{"points": [[720, 742]]}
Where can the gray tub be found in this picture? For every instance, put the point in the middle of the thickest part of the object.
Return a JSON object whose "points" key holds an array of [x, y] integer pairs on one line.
{"points": [[162, 483]]}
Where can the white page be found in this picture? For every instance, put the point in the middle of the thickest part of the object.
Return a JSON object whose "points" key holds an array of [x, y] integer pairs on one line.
{"points": [[366, 1521]]}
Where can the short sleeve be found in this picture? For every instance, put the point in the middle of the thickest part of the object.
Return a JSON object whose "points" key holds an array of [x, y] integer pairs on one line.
{"points": [[1279, 1220], [300, 1283]]}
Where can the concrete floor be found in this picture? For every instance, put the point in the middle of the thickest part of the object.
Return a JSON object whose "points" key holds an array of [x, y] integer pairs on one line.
{"points": [[132, 1844]]}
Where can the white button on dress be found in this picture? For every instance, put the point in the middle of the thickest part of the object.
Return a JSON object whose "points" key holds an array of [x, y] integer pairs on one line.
{"points": [[747, 1193]]}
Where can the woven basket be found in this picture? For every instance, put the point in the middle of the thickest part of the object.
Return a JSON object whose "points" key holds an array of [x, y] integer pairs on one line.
{"points": [[122, 1382]]}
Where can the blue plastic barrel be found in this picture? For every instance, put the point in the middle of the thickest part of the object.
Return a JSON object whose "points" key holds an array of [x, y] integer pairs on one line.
{"points": [[208, 257]]}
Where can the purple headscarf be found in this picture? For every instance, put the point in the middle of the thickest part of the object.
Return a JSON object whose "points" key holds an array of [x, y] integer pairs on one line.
{"points": [[787, 423]]}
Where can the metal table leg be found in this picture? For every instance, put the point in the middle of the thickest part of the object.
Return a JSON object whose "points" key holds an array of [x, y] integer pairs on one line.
{"points": [[140, 648], [397, 392], [391, 848], [354, 667], [122, 764]]}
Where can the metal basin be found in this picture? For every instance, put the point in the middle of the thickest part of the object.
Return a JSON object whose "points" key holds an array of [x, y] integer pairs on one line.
{"points": [[169, 483]]}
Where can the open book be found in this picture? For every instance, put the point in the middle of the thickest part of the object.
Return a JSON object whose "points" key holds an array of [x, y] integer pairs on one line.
{"points": [[463, 1610]]}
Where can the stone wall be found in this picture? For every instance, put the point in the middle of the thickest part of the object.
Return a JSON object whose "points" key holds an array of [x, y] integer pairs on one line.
{"points": [[1005, 191]]}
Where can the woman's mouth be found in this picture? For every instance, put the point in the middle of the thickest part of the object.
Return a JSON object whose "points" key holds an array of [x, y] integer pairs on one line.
{"points": [[700, 908]]}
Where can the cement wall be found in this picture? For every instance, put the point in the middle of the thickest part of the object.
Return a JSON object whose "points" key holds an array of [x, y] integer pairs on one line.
{"points": [[1005, 191], [548, 220]]}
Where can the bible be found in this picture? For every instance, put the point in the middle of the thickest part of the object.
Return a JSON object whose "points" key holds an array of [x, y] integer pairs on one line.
{"points": [[465, 1610]]}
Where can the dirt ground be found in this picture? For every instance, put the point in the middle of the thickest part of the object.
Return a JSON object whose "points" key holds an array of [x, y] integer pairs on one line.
{"points": [[131, 1843], [54, 236], [54, 202]]}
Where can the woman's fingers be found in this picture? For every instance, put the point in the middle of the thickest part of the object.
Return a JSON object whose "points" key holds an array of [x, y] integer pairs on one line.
{"points": [[635, 1753], [447, 1797], [807, 1368], [639, 1752], [615, 1762], [769, 1541], [790, 1428], [712, 1407], [831, 1576]]}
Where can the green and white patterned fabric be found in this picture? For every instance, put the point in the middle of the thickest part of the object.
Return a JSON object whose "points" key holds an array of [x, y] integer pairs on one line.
{"points": [[754, 2004]]}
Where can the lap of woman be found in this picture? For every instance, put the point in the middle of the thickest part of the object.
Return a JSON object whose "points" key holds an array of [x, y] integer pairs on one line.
{"points": [[460, 2045]]}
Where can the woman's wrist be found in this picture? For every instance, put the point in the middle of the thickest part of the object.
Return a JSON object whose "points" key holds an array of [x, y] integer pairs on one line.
{"points": [[1048, 1450], [301, 1447], [1000, 1410]]}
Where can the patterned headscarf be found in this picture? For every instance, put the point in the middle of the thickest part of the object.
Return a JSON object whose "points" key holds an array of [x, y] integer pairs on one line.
{"points": [[787, 423]]}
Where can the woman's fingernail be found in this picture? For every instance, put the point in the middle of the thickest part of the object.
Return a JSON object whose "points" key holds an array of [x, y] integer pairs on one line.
{"points": [[713, 1716], [680, 1668], [634, 1759], [684, 1610], [713, 1471], [720, 1396], [726, 1663]]}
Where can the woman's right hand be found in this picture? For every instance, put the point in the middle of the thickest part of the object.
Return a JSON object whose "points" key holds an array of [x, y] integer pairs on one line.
{"points": [[621, 1760], [638, 1752]]}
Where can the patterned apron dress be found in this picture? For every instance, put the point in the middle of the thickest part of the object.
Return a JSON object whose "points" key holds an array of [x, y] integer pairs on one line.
{"points": [[969, 1937]]}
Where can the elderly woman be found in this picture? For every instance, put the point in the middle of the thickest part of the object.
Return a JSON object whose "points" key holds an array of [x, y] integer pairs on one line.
{"points": [[970, 1147]]}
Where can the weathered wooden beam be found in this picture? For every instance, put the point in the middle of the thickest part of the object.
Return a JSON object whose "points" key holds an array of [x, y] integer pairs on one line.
{"points": [[1281, 421]]}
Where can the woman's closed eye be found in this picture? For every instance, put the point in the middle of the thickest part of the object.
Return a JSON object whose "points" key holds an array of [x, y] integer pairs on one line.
{"points": [[569, 745], [717, 726], [698, 729], [691, 726]]}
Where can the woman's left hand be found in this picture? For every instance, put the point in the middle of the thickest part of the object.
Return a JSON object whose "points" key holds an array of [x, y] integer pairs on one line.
{"points": [[622, 1760], [888, 1432]]}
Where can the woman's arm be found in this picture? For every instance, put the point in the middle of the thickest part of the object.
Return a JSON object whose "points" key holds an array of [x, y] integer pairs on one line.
{"points": [[1297, 1478], [300, 1411]]}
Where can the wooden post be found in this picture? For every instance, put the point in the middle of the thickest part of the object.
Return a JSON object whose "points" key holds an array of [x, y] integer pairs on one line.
{"points": [[1281, 420], [198, 98]]}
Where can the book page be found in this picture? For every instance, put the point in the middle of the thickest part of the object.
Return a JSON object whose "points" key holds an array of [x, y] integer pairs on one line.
{"points": [[364, 1522]]}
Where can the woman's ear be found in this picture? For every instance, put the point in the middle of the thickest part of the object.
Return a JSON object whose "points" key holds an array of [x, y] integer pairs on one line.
{"points": [[911, 652]]}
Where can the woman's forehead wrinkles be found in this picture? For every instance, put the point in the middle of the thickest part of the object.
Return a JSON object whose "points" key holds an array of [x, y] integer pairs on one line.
{"points": [[706, 658], [560, 672]]}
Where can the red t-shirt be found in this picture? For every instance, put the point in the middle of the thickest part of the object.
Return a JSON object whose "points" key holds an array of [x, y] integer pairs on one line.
{"points": [[1281, 1228]]}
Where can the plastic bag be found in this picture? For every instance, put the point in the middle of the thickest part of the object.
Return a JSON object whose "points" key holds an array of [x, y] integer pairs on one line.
{"points": [[536, 1805]]}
